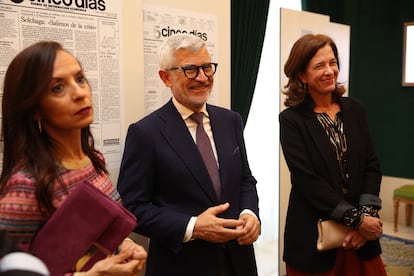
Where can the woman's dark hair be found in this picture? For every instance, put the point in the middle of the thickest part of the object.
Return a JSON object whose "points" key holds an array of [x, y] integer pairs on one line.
{"points": [[24, 146], [300, 55]]}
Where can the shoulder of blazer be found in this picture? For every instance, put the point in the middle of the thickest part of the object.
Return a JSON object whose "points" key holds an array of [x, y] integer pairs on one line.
{"points": [[297, 112], [163, 113], [220, 110], [352, 107], [346, 103], [350, 102], [218, 113]]}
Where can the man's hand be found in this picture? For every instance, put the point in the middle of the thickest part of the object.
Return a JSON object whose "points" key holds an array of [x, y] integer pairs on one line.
{"points": [[211, 228], [251, 226]]}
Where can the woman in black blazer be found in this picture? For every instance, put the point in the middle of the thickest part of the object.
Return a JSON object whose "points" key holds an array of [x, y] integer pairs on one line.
{"points": [[335, 172]]}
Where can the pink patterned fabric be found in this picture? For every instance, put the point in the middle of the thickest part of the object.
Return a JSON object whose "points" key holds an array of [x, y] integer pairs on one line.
{"points": [[19, 211]]}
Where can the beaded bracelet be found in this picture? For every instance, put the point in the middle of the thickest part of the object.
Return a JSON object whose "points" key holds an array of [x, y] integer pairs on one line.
{"points": [[369, 211], [353, 218]]}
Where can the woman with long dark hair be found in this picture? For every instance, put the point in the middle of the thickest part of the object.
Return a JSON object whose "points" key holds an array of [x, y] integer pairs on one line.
{"points": [[48, 148]]}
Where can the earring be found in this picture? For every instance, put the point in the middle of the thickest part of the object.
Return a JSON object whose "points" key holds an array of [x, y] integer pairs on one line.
{"points": [[39, 125], [305, 86]]}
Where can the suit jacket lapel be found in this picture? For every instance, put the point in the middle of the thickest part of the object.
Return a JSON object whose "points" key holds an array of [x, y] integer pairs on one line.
{"points": [[179, 138]]}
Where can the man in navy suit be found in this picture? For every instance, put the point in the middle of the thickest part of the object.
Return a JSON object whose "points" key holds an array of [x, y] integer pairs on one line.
{"points": [[193, 229]]}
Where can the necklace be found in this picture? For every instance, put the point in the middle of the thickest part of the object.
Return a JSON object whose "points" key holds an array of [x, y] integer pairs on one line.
{"points": [[76, 164]]}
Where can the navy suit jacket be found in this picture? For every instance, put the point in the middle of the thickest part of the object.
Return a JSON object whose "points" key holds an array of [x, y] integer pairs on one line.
{"points": [[164, 182], [316, 191]]}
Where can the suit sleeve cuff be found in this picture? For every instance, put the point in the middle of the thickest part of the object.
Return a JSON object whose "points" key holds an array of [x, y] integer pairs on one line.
{"points": [[248, 211], [189, 230], [370, 200], [341, 209]]}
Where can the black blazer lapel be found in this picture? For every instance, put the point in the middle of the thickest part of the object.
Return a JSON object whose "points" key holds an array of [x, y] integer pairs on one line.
{"points": [[321, 140]]}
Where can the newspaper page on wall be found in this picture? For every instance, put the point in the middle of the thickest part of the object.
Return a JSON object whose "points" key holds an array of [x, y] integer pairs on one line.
{"points": [[89, 29], [160, 23]]}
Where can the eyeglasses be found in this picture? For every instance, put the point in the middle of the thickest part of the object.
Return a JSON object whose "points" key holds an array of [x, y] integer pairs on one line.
{"points": [[191, 71]]}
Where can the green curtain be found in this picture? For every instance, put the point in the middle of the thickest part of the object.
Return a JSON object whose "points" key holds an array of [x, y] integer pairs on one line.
{"points": [[334, 8], [248, 26]]}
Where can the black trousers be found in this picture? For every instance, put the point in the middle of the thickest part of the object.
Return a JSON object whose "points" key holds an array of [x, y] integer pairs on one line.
{"points": [[226, 266]]}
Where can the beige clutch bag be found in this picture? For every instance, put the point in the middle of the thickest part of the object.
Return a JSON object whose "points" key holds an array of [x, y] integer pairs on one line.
{"points": [[330, 234]]}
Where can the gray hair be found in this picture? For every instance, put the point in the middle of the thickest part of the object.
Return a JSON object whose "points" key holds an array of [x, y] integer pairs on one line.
{"points": [[166, 56]]}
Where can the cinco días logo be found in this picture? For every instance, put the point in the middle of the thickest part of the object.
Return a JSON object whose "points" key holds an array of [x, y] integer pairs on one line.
{"points": [[98, 5]]}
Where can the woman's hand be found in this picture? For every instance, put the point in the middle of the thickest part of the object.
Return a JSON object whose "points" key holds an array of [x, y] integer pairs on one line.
{"points": [[128, 262], [354, 240], [370, 228], [139, 252]]}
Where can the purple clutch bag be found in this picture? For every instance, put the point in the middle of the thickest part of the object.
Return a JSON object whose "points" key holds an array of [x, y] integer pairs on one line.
{"points": [[86, 228]]}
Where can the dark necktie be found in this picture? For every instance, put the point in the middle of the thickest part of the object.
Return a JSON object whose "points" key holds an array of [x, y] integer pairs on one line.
{"points": [[206, 151]]}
